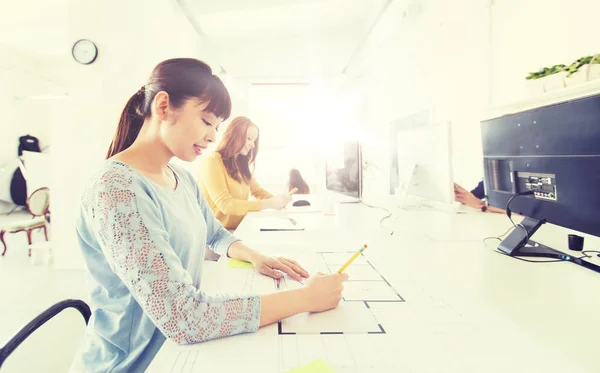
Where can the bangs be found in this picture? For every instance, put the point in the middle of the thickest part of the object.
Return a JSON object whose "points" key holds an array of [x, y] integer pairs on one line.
{"points": [[219, 101]]}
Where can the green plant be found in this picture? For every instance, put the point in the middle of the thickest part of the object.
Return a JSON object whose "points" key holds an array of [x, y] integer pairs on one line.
{"points": [[571, 69], [546, 71]]}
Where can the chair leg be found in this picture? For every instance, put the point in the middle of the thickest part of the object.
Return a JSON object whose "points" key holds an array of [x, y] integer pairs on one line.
{"points": [[46, 232], [29, 239], [2, 239]]}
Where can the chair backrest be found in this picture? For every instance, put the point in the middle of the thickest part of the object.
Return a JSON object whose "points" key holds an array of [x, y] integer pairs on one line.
{"points": [[41, 319], [38, 202]]}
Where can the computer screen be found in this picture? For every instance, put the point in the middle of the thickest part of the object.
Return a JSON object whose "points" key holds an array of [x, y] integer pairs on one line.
{"points": [[551, 154], [421, 164], [343, 169]]}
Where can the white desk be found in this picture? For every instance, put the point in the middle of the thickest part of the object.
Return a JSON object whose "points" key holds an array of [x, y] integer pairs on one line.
{"points": [[466, 309]]}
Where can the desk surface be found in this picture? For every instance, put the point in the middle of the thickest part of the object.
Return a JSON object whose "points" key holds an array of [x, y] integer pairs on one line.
{"points": [[466, 308]]}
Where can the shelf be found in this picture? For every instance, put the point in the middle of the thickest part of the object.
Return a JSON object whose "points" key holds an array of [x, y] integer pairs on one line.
{"points": [[566, 94]]}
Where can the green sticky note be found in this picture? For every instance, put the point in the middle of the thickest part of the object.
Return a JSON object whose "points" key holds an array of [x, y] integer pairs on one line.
{"points": [[234, 263], [317, 366]]}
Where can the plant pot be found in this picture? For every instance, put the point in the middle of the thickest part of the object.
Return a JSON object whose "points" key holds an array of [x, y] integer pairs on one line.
{"points": [[535, 87], [594, 71], [579, 77], [554, 82]]}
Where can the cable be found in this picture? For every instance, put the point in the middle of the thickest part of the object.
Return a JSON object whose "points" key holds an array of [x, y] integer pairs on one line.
{"points": [[389, 214], [525, 260], [532, 261], [498, 237], [509, 212], [584, 252]]}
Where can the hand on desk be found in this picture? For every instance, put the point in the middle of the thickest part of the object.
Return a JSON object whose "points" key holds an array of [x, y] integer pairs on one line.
{"points": [[273, 267]]}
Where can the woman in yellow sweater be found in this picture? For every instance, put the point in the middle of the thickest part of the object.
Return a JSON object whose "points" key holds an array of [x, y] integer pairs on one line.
{"points": [[227, 181]]}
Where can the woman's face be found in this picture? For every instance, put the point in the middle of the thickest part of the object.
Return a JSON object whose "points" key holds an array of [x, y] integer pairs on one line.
{"points": [[190, 130], [251, 137]]}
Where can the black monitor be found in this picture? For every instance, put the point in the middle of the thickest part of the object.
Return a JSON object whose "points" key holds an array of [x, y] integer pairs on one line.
{"points": [[548, 161], [343, 169]]}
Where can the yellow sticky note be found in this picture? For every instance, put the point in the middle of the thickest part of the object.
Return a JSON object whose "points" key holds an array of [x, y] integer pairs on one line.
{"points": [[317, 366], [234, 263]]}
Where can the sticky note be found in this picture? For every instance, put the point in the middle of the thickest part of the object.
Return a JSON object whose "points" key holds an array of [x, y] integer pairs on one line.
{"points": [[317, 366], [234, 263]]}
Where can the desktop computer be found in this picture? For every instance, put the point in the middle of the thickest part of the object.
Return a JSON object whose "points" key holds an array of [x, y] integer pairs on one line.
{"points": [[544, 164], [343, 170], [421, 164]]}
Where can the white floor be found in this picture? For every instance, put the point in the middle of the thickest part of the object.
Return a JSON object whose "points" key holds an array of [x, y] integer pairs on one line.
{"points": [[27, 289]]}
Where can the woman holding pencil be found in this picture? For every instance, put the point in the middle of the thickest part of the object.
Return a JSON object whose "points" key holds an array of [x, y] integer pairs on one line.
{"points": [[144, 226], [226, 177]]}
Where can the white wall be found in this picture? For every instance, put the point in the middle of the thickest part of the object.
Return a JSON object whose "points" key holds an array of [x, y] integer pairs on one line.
{"points": [[425, 55], [27, 94], [529, 35], [132, 37], [461, 58]]}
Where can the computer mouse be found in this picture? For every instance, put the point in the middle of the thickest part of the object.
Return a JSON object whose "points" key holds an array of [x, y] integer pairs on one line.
{"points": [[301, 202]]}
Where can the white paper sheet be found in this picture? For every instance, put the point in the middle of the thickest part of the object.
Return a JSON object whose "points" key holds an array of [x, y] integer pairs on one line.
{"points": [[348, 317], [369, 291]]}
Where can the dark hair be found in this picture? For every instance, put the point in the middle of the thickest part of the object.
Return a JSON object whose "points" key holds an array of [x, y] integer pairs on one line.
{"points": [[182, 79], [232, 143], [296, 181]]}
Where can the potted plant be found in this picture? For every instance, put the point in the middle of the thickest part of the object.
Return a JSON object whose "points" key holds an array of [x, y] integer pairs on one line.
{"points": [[583, 70], [549, 78], [559, 76]]}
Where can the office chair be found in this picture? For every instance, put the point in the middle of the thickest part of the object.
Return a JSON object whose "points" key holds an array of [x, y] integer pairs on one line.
{"points": [[40, 320]]}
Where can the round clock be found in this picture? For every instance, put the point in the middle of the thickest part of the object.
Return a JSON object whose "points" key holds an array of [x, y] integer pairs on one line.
{"points": [[84, 51]]}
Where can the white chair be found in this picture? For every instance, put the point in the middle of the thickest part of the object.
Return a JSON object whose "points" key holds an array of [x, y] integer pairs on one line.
{"points": [[38, 205]]}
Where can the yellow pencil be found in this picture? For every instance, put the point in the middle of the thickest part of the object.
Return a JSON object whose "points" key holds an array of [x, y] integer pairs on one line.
{"points": [[352, 259]]}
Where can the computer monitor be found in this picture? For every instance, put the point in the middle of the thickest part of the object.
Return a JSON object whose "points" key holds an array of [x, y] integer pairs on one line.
{"points": [[551, 157], [343, 169], [421, 163]]}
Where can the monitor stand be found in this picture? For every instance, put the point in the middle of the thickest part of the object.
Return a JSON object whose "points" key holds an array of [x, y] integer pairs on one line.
{"points": [[519, 244], [518, 238]]}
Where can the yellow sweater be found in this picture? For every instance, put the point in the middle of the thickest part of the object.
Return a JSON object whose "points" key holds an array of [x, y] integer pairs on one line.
{"points": [[227, 197]]}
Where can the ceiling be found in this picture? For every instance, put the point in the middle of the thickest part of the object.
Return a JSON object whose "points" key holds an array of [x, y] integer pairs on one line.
{"points": [[258, 40], [41, 32], [283, 39]]}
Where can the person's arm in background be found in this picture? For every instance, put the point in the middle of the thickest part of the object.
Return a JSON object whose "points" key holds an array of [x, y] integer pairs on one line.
{"points": [[257, 191], [474, 198], [213, 174], [268, 200], [479, 191]]}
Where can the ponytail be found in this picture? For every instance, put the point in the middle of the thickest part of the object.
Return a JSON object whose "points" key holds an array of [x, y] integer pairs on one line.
{"points": [[130, 124]]}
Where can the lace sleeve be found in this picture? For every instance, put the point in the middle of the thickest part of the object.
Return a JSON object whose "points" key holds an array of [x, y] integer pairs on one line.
{"points": [[218, 238], [133, 239]]}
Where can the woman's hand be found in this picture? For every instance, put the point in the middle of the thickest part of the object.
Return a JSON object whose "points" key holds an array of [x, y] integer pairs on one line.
{"points": [[278, 202], [275, 267], [324, 292]]}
